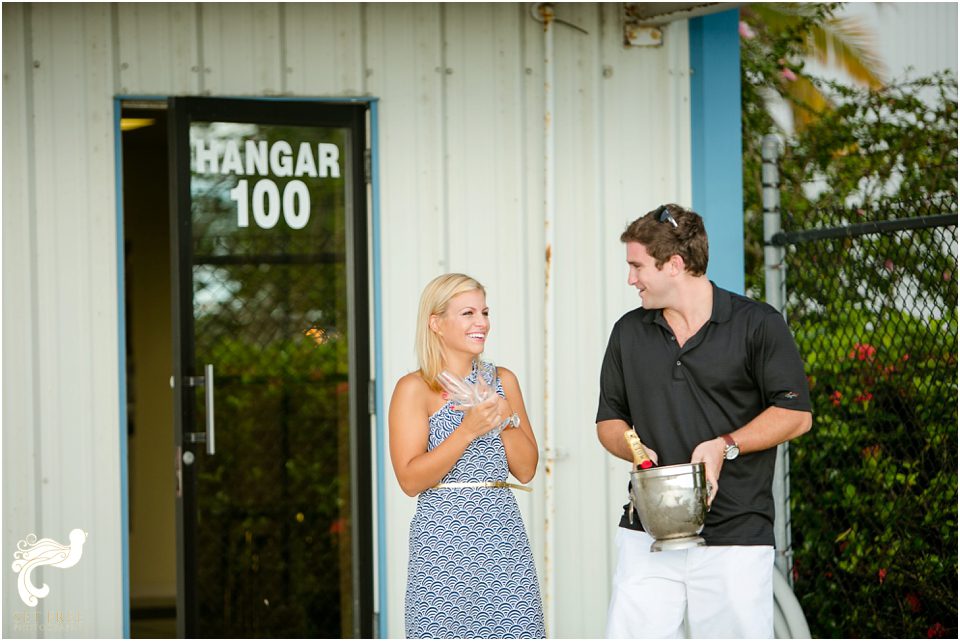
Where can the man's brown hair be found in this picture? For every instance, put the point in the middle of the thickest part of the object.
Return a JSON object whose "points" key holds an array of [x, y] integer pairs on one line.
{"points": [[668, 230]]}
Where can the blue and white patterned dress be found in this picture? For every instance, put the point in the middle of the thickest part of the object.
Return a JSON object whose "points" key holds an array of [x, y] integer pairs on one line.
{"points": [[471, 571]]}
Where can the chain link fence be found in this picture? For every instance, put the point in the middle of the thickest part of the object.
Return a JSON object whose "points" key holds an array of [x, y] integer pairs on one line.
{"points": [[872, 301]]}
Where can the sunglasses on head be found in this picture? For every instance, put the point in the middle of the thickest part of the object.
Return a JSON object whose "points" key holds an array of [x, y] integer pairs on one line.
{"points": [[663, 215]]}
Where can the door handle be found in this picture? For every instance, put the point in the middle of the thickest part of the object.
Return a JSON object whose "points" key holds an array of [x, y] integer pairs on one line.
{"points": [[208, 436], [211, 427]]}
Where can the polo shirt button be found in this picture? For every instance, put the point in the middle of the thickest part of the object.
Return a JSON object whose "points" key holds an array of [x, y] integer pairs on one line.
{"points": [[673, 338], [678, 363]]}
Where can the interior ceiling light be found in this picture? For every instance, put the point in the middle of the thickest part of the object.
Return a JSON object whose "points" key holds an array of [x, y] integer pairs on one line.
{"points": [[129, 124]]}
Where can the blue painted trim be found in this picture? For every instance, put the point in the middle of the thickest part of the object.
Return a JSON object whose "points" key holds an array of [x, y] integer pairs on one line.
{"points": [[381, 497], [717, 159], [122, 364]]}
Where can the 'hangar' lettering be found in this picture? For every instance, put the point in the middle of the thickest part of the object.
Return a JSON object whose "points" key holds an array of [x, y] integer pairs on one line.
{"points": [[259, 159]]}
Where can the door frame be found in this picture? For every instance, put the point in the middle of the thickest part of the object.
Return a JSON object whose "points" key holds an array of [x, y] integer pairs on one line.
{"points": [[372, 513]]}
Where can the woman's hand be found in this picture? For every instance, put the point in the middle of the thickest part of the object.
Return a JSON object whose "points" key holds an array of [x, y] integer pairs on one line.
{"points": [[482, 418]]}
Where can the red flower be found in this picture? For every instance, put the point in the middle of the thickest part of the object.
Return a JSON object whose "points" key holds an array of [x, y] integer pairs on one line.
{"points": [[862, 351], [835, 398], [882, 574], [863, 398], [936, 631], [913, 601]]}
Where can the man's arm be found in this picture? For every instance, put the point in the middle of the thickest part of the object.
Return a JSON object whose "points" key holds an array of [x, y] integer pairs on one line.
{"points": [[771, 427], [610, 434]]}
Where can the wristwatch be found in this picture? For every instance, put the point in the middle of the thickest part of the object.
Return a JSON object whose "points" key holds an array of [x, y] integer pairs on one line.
{"points": [[732, 450]]}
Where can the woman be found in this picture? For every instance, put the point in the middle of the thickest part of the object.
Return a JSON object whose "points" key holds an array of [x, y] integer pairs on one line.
{"points": [[471, 572]]}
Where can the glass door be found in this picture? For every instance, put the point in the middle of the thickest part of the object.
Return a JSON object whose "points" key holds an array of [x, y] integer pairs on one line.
{"points": [[271, 368]]}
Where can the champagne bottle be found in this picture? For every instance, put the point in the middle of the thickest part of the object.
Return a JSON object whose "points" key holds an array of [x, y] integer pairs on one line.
{"points": [[641, 460]]}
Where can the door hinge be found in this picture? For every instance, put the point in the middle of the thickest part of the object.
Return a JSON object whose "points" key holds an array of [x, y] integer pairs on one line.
{"points": [[372, 397], [367, 166]]}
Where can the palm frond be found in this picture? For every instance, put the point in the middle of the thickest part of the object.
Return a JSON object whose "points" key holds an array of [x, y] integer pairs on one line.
{"points": [[807, 102], [843, 42], [848, 44]]}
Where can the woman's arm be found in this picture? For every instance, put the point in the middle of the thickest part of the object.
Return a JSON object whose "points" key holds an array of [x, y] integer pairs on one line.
{"points": [[415, 467], [520, 443]]}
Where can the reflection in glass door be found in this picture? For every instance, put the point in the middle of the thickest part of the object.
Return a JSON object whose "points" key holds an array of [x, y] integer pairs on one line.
{"points": [[273, 370]]}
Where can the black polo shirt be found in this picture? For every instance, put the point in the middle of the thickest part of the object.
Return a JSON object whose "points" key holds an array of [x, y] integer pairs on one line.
{"points": [[742, 361]]}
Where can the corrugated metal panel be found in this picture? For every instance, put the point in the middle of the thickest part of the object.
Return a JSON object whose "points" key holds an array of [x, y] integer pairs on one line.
{"points": [[21, 508], [646, 95], [157, 47], [461, 159], [323, 45], [631, 137], [405, 70], [579, 288], [241, 49], [74, 348]]}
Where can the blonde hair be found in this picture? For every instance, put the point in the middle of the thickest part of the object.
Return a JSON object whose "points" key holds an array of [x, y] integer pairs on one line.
{"points": [[434, 300]]}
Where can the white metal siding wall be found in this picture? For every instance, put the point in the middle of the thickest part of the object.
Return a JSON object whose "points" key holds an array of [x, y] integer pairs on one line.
{"points": [[61, 425], [461, 164]]}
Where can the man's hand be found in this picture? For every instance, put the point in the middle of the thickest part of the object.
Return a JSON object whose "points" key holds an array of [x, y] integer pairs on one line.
{"points": [[710, 453]]}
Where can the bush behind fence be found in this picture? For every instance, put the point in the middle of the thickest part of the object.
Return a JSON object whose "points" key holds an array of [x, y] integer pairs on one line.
{"points": [[874, 485]]}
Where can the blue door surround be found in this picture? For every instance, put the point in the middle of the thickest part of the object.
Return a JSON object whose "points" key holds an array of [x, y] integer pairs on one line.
{"points": [[717, 161]]}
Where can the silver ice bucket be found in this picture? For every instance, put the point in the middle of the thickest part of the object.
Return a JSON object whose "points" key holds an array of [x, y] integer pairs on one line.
{"points": [[672, 504]]}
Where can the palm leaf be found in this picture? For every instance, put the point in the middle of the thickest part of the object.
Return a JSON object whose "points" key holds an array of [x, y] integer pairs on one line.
{"points": [[807, 102], [846, 43]]}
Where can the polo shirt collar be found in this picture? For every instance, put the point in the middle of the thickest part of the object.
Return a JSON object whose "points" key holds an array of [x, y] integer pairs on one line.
{"points": [[722, 308]]}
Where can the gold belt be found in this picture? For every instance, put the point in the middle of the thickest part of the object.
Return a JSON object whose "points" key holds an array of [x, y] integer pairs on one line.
{"points": [[494, 484]]}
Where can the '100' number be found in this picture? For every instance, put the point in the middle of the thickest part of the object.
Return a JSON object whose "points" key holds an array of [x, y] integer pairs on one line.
{"points": [[266, 203]]}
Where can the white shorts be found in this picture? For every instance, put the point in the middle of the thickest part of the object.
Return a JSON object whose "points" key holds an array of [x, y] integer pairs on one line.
{"points": [[703, 592]]}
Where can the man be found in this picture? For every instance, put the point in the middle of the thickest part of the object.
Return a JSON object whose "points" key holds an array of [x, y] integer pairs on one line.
{"points": [[701, 374]]}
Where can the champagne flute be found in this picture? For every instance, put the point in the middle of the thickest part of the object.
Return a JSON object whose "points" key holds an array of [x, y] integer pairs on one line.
{"points": [[467, 394]]}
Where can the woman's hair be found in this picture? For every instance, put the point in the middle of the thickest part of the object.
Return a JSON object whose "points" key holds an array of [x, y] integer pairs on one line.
{"points": [[668, 230], [435, 298]]}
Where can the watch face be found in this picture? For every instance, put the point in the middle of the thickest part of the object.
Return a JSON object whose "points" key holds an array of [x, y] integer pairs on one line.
{"points": [[732, 452]]}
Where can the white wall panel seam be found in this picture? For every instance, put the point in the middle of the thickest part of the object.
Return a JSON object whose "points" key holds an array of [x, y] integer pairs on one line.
{"points": [[19, 238], [282, 48], [103, 451], [201, 50], [54, 355], [115, 48], [34, 267], [444, 71]]}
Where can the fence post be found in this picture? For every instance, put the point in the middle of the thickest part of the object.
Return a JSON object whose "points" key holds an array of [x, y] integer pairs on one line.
{"points": [[773, 266], [775, 289]]}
